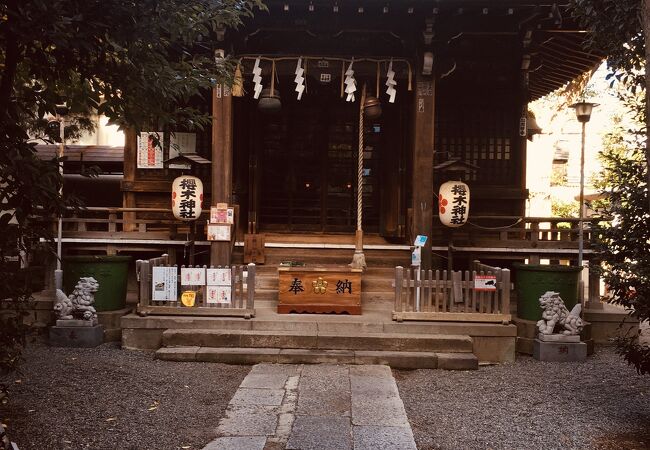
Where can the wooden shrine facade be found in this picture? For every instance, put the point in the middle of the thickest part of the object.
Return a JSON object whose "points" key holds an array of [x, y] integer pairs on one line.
{"points": [[464, 72]]}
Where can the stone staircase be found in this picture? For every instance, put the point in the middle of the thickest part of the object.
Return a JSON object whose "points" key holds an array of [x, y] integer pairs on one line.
{"points": [[371, 338]]}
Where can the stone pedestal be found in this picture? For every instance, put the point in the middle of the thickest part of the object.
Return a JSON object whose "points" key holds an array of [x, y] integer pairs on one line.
{"points": [[559, 348], [87, 335], [527, 333]]}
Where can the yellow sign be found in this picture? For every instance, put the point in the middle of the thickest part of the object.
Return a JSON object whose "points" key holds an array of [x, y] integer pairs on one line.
{"points": [[188, 298], [320, 285]]}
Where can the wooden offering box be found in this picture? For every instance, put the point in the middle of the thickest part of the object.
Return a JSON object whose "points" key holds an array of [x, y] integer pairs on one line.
{"points": [[319, 289]]}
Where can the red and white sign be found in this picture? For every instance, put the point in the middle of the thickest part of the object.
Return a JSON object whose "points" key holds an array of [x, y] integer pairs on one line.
{"points": [[485, 283]]}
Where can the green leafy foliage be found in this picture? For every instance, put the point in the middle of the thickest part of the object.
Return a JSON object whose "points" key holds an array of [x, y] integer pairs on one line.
{"points": [[137, 62], [617, 28], [624, 243]]}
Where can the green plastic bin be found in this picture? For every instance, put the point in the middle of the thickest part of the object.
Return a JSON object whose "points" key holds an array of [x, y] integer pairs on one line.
{"points": [[534, 280], [110, 271]]}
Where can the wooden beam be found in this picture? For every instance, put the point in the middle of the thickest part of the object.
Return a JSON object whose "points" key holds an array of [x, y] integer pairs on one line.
{"points": [[423, 161], [130, 164], [452, 317], [204, 311], [221, 185]]}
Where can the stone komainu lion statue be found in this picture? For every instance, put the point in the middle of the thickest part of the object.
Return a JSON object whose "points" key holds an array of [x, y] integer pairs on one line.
{"points": [[555, 313], [79, 304]]}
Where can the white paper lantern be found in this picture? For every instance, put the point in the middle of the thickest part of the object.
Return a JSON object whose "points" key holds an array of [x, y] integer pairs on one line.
{"points": [[187, 197], [453, 203]]}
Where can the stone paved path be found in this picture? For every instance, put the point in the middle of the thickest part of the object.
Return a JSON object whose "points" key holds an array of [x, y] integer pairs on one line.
{"points": [[289, 406]]}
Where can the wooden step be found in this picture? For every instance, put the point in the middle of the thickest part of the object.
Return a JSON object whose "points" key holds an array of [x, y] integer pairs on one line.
{"points": [[253, 355], [317, 340]]}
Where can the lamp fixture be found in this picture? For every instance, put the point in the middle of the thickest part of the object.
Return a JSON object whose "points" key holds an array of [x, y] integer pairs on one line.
{"points": [[583, 110]]}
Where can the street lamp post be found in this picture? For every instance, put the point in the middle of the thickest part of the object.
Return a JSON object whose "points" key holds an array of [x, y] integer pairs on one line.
{"points": [[583, 114], [61, 110]]}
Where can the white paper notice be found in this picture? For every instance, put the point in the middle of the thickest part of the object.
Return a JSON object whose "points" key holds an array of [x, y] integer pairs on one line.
{"points": [[163, 284], [218, 295], [192, 276], [218, 277]]}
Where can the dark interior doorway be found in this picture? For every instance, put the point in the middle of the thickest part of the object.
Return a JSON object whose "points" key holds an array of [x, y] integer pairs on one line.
{"points": [[307, 164]]}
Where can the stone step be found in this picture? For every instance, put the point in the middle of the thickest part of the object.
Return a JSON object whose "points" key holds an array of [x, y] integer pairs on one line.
{"points": [[315, 323], [397, 360], [318, 340]]}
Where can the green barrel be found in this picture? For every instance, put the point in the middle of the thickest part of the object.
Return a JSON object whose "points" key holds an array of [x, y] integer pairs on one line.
{"points": [[533, 280], [110, 272]]}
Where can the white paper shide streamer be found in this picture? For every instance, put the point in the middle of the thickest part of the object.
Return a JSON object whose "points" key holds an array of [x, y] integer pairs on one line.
{"points": [[300, 79], [350, 83], [391, 83], [257, 79]]}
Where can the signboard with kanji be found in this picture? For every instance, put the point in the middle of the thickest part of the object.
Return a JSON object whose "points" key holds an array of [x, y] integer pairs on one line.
{"points": [[335, 289]]}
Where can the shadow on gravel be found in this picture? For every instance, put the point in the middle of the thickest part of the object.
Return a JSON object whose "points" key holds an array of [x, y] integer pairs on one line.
{"points": [[108, 398]]}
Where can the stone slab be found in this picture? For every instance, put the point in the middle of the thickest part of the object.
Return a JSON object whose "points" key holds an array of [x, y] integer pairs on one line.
{"points": [[237, 443], [257, 397], [398, 360], [248, 421], [307, 356], [86, 337], [177, 353], [275, 369], [559, 351], [457, 361], [265, 381], [311, 433], [384, 438], [558, 338], [324, 390], [75, 323], [385, 411], [230, 355]]}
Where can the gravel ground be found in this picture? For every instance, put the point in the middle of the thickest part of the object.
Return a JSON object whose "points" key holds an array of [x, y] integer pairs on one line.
{"points": [[601, 404], [106, 398]]}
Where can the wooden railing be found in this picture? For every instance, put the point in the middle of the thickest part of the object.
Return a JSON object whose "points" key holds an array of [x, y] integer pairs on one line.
{"points": [[451, 296], [242, 293], [518, 237]]}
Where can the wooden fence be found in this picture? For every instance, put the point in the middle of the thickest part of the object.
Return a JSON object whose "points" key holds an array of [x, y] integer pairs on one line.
{"points": [[436, 295], [242, 293]]}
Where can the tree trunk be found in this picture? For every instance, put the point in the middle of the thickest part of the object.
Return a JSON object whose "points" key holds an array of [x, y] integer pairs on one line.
{"points": [[646, 32]]}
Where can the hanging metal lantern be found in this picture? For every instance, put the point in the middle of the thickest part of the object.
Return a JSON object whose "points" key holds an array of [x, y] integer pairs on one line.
{"points": [[453, 203], [187, 197], [269, 101], [372, 107]]}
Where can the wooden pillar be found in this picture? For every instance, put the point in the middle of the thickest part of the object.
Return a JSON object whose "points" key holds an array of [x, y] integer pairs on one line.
{"points": [[221, 163], [130, 163], [423, 162]]}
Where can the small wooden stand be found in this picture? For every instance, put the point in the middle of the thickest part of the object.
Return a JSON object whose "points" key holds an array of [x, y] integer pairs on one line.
{"points": [[319, 289]]}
